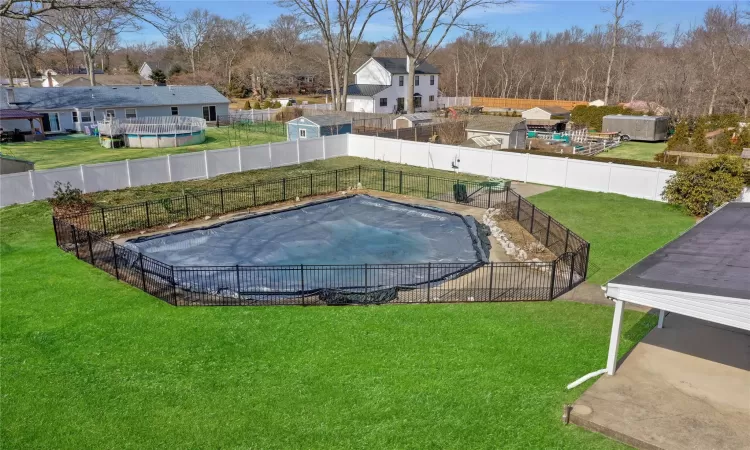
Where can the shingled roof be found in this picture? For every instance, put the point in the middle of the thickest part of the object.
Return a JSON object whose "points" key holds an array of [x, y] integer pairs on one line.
{"points": [[398, 66]]}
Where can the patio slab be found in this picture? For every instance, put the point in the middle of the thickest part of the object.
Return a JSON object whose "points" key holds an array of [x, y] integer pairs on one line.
{"points": [[685, 386]]}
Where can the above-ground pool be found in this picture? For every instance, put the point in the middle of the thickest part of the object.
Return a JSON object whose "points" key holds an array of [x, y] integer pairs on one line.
{"points": [[293, 250]]}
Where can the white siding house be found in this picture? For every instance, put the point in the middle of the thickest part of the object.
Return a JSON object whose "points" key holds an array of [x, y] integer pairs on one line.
{"points": [[380, 86], [74, 108]]}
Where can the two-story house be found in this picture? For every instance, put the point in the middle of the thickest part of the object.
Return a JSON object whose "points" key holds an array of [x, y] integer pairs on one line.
{"points": [[380, 86]]}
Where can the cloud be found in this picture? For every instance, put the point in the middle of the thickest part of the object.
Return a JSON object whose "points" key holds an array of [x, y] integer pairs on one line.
{"points": [[518, 7]]}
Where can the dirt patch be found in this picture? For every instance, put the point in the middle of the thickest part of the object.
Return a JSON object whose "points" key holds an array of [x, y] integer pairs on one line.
{"points": [[525, 241]]}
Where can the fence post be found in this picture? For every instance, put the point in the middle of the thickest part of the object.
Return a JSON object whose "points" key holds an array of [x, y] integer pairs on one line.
{"points": [[429, 269], [143, 272], [302, 279], [572, 261], [336, 175], [531, 227], [428, 186], [359, 173], [33, 189], [297, 150], [83, 179], [75, 239], [91, 249], [283, 189], [400, 181], [104, 222], [518, 209], [255, 200], [383, 180], [549, 224], [205, 161], [324, 147], [366, 289], [489, 198], [492, 278], [552, 281], [187, 210], [169, 168], [567, 236], [239, 159], [311, 185], [54, 227], [221, 194], [148, 217], [174, 286], [588, 256], [237, 272], [114, 258]]}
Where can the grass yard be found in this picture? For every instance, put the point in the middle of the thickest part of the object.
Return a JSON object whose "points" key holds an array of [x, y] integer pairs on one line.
{"points": [[71, 151], [621, 230], [89, 362], [640, 151]]}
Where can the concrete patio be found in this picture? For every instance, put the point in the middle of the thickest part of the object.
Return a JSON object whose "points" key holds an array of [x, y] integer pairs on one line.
{"points": [[685, 386]]}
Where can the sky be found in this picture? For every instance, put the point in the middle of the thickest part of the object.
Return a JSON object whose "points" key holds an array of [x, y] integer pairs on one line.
{"points": [[522, 17]]}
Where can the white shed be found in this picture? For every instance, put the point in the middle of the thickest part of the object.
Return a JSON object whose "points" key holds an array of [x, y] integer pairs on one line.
{"points": [[412, 120], [546, 113]]}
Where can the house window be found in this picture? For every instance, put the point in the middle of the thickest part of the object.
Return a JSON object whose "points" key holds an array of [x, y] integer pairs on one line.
{"points": [[75, 116], [110, 114], [432, 98], [416, 80], [417, 101], [175, 111], [384, 101], [302, 133], [85, 116], [130, 113], [400, 80], [432, 80]]}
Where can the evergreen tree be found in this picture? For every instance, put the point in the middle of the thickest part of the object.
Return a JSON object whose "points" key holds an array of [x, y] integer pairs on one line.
{"points": [[698, 142], [132, 67], [680, 138], [158, 77]]}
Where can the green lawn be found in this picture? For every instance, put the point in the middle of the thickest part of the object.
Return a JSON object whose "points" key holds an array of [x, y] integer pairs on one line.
{"points": [[76, 150], [641, 151], [621, 230], [89, 362]]}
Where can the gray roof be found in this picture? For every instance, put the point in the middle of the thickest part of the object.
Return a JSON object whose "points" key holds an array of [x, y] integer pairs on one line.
{"points": [[325, 120], [712, 258], [398, 66], [365, 90], [416, 117], [117, 96], [496, 124], [629, 117]]}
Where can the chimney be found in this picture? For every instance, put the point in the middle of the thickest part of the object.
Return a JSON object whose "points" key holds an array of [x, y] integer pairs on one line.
{"points": [[49, 79], [11, 94]]}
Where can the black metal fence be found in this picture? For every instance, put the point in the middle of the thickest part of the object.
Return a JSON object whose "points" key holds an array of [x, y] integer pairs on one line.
{"points": [[88, 234]]}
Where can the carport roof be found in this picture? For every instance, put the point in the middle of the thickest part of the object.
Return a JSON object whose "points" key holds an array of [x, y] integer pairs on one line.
{"points": [[712, 258]]}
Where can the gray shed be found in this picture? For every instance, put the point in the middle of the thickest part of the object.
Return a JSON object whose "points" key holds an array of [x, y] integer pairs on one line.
{"points": [[637, 128], [510, 131]]}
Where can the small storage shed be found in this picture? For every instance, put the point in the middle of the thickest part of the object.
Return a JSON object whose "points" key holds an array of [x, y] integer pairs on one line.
{"points": [[412, 120], [547, 113], [510, 131], [317, 126]]}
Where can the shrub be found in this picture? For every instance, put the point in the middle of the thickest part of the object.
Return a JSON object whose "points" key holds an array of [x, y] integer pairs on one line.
{"points": [[276, 105], [698, 142], [706, 185], [680, 138], [247, 105], [592, 116], [256, 104]]}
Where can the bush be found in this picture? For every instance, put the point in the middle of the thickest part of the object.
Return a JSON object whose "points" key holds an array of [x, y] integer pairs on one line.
{"points": [[680, 139], [698, 142], [247, 105], [276, 105], [256, 104], [706, 185], [592, 116]]}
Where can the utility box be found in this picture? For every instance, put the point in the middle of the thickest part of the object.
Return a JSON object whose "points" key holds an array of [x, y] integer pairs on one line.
{"points": [[637, 128]]}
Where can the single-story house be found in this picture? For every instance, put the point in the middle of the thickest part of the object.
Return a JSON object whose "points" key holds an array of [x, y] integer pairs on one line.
{"points": [[317, 126], [412, 120], [380, 86], [74, 108], [509, 131], [100, 80]]}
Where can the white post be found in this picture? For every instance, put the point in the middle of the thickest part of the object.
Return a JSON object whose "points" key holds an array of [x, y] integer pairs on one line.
{"points": [[83, 179], [297, 151], [31, 182], [324, 147], [528, 161], [661, 319], [614, 338], [169, 167], [400, 151], [270, 155], [239, 158], [252, 115], [374, 145], [127, 169], [609, 178], [205, 161], [429, 154], [565, 180], [656, 189]]}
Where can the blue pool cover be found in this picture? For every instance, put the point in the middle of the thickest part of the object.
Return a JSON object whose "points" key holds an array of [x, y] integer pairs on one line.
{"points": [[349, 231]]}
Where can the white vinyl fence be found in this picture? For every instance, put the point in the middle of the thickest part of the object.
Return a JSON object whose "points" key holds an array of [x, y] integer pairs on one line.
{"points": [[632, 181], [34, 185], [447, 102]]}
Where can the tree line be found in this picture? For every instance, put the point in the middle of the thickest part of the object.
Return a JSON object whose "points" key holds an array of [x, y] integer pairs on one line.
{"points": [[702, 70]]}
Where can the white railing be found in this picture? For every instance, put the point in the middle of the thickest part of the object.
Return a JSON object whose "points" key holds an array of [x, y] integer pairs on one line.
{"points": [[632, 181]]}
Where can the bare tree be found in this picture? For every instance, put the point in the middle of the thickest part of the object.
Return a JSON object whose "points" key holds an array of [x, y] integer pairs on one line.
{"points": [[21, 40], [341, 31], [421, 27], [29, 9], [618, 12], [191, 32]]}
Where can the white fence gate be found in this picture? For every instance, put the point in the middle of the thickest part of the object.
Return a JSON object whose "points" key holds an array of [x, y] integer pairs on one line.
{"points": [[632, 181]]}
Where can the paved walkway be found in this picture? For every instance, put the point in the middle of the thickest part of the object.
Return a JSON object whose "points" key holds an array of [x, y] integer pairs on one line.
{"points": [[685, 386]]}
